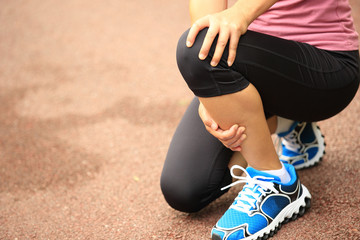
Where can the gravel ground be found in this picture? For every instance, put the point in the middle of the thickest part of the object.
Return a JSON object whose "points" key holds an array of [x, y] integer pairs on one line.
{"points": [[90, 96]]}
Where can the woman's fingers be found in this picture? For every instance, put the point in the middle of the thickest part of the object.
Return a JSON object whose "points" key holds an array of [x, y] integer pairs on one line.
{"points": [[237, 149], [237, 139], [215, 28], [231, 138], [199, 25], [228, 25], [233, 44], [226, 135], [209, 39], [222, 41], [238, 142]]}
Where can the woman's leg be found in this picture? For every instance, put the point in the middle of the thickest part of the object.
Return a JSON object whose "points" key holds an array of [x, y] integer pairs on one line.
{"points": [[196, 165], [272, 123], [245, 108], [291, 79], [295, 80], [235, 95]]}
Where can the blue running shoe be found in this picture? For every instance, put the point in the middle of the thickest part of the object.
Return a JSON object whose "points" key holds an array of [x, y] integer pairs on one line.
{"points": [[303, 145], [262, 206]]}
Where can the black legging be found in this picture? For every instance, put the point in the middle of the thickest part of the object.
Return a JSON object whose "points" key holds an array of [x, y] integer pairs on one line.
{"points": [[295, 80]]}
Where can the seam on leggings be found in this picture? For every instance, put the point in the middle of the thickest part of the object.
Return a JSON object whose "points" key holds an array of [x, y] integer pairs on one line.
{"points": [[287, 58], [235, 80], [215, 83], [292, 80], [307, 68], [275, 72], [213, 79]]}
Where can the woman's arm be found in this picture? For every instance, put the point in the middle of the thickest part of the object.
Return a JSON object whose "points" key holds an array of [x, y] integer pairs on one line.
{"points": [[254, 8], [229, 24], [202, 8]]}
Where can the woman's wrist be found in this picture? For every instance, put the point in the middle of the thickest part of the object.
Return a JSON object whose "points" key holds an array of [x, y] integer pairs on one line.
{"points": [[201, 8], [250, 10], [240, 18]]}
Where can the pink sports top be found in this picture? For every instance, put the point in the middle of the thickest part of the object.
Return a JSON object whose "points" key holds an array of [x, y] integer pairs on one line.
{"points": [[326, 24]]}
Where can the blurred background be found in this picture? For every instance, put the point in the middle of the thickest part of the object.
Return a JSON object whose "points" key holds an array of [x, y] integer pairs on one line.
{"points": [[90, 96]]}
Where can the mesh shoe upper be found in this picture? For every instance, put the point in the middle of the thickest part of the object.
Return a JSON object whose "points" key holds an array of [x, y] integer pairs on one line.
{"points": [[259, 207], [303, 145]]}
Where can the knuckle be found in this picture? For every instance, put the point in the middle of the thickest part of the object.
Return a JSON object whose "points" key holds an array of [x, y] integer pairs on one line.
{"points": [[213, 18], [222, 43], [238, 142], [227, 139], [214, 133], [221, 138], [234, 26], [227, 142], [230, 135], [196, 24], [232, 48], [226, 23], [209, 130], [206, 121], [211, 34]]}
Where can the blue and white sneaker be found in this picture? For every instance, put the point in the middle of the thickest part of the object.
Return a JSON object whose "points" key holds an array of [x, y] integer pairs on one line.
{"points": [[262, 206], [303, 145]]}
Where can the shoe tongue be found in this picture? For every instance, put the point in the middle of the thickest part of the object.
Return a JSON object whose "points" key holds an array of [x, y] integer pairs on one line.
{"points": [[292, 127], [256, 173]]}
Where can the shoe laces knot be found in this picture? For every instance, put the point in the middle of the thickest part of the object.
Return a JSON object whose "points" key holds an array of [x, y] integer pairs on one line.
{"points": [[252, 191]]}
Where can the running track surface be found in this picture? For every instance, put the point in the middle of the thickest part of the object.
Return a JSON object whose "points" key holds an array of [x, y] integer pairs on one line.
{"points": [[90, 96]]}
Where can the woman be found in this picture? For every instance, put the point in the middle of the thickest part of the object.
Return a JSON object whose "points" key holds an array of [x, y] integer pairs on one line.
{"points": [[258, 67]]}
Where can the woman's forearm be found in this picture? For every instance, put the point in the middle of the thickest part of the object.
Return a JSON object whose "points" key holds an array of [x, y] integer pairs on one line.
{"points": [[250, 10], [201, 8]]}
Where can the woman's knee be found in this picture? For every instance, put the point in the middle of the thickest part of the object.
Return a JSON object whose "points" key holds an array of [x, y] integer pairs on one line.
{"points": [[188, 56], [203, 79], [180, 195], [194, 71]]}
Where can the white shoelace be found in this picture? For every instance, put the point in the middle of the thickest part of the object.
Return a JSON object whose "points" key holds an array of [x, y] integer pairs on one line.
{"points": [[252, 191]]}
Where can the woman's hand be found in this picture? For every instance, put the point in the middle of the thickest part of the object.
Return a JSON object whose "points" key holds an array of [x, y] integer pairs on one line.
{"points": [[231, 138], [229, 25]]}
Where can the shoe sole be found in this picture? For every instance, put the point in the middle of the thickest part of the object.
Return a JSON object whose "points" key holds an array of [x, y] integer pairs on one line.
{"points": [[289, 213]]}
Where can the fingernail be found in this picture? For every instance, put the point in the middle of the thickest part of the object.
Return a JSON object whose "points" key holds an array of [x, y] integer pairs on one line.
{"points": [[243, 137], [214, 126], [188, 44], [229, 63], [241, 129], [238, 149], [213, 63], [202, 56]]}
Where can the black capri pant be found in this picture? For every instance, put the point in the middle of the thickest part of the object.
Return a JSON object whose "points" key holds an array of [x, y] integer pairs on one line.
{"points": [[295, 81]]}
